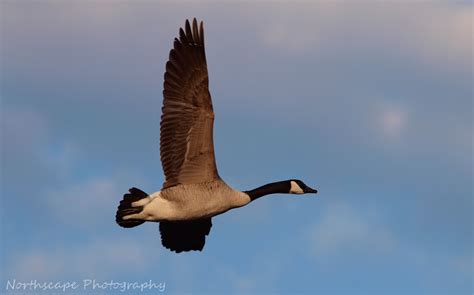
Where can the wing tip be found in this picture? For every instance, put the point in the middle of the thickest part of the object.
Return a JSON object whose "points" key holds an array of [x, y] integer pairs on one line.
{"points": [[193, 31]]}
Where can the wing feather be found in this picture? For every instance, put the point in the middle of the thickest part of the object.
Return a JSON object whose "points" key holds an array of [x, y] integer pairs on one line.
{"points": [[186, 129], [185, 235]]}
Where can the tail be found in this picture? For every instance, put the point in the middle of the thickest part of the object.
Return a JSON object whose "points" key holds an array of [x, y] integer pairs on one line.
{"points": [[125, 208]]}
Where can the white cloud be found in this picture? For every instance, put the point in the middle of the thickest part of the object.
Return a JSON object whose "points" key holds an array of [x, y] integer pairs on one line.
{"points": [[35, 265], [30, 149], [25, 135], [445, 35], [88, 202], [63, 157], [30, 152], [286, 36], [99, 260], [390, 120], [343, 230], [436, 33], [252, 281], [24, 131], [83, 202], [464, 265]]}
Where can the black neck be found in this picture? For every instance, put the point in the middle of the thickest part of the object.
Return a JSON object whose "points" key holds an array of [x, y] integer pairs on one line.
{"points": [[280, 187]]}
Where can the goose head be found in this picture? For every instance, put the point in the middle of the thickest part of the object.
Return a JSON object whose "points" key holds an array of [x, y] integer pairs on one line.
{"points": [[299, 187]]}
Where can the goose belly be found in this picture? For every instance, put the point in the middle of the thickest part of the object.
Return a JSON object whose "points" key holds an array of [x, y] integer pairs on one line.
{"points": [[196, 201]]}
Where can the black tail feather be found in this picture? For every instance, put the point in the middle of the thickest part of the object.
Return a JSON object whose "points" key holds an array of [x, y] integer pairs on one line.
{"points": [[125, 208]]}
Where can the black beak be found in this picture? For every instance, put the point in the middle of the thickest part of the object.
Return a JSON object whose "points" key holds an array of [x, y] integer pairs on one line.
{"points": [[309, 190]]}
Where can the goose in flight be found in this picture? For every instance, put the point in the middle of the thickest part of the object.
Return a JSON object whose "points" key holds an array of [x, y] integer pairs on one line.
{"points": [[193, 192]]}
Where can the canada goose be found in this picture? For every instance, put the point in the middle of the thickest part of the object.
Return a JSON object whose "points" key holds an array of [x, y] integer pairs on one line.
{"points": [[193, 192]]}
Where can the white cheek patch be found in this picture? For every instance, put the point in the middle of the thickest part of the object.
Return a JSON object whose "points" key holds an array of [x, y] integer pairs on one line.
{"points": [[295, 188]]}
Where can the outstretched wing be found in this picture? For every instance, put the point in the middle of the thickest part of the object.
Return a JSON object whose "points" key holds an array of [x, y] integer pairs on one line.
{"points": [[186, 143], [185, 235]]}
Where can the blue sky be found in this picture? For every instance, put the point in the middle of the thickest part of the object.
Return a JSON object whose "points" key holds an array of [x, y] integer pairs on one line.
{"points": [[369, 102]]}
